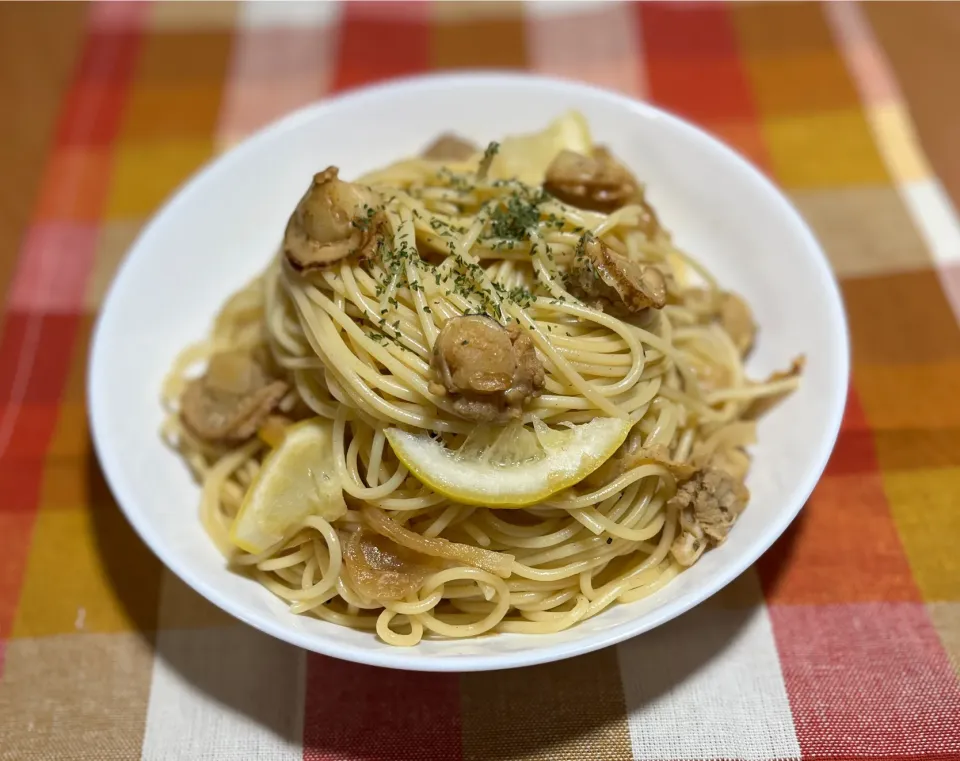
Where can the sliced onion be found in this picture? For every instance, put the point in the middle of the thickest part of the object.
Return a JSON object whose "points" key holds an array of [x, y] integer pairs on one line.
{"points": [[380, 569], [498, 563]]}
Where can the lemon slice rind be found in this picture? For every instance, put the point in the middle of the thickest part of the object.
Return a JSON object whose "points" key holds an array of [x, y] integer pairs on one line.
{"points": [[569, 456]]}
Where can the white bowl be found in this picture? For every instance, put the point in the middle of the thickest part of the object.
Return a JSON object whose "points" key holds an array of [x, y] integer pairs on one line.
{"points": [[223, 225]]}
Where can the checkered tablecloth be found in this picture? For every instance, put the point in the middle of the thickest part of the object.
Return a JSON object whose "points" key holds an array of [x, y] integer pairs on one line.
{"points": [[843, 642]]}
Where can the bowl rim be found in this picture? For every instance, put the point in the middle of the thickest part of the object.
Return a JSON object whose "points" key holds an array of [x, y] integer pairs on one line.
{"points": [[97, 392]]}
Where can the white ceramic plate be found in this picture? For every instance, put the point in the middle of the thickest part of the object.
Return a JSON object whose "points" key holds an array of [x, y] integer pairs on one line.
{"points": [[222, 227]]}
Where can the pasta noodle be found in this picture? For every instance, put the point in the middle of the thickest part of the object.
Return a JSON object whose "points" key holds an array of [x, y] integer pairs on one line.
{"points": [[354, 341]]}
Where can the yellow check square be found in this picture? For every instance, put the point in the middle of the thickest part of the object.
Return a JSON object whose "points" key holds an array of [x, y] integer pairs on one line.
{"points": [[146, 173], [830, 149]]}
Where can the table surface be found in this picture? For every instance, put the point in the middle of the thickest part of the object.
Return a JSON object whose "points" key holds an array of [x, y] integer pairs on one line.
{"points": [[842, 642]]}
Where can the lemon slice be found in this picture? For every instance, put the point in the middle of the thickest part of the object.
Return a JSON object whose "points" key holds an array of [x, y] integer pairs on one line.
{"points": [[298, 479], [512, 466], [526, 157]]}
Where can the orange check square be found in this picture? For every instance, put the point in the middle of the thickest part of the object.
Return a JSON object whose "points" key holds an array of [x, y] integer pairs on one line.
{"points": [[184, 57], [916, 396], [917, 449], [900, 317], [65, 484], [779, 29], [802, 83], [71, 434], [165, 111], [460, 44]]}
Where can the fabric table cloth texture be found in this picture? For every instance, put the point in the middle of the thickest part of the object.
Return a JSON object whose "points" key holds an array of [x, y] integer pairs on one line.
{"points": [[843, 642]]}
